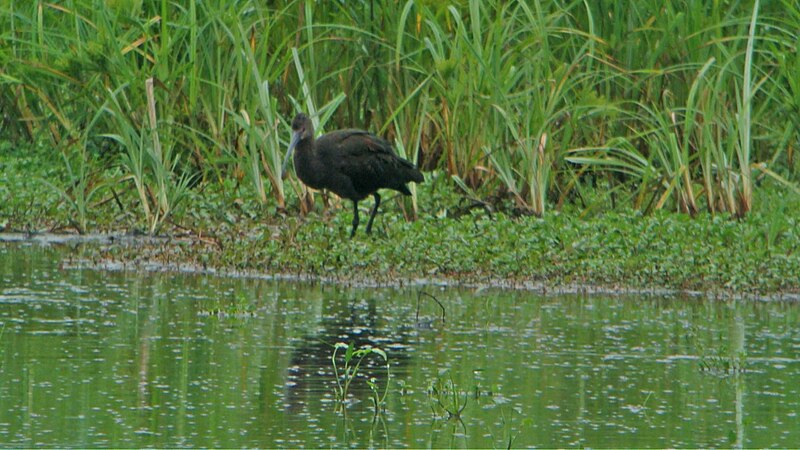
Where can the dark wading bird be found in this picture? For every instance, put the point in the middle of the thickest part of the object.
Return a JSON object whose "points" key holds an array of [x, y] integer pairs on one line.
{"points": [[351, 163]]}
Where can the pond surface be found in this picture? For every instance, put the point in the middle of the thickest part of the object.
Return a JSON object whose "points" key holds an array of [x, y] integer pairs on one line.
{"points": [[121, 359]]}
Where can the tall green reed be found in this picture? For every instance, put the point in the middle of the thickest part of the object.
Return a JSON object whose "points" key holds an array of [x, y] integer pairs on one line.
{"points": [[150, 159], [681, 105]]}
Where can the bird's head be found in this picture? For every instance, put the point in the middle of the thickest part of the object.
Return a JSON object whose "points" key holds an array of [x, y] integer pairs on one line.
{"points": [[302, 129]]}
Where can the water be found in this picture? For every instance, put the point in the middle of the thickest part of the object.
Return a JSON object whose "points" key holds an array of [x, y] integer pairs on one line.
{"points": [[120, 359]]}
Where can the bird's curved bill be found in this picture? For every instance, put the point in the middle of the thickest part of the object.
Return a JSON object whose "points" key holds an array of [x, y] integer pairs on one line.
{"points": [[288, 157]]}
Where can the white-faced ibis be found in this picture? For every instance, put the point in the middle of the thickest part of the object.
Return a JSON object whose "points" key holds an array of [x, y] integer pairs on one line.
{"points": [[351, 163]]}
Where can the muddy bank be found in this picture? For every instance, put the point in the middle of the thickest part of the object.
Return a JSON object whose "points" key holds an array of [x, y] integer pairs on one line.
{"points": [[76, 239], [188, 254]]}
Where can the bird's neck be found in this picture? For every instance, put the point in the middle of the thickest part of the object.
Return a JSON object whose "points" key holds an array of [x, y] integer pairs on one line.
{"points": [[305, 164]]}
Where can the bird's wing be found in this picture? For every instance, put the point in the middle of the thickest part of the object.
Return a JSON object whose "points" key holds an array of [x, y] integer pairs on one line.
{"points": [[355, 151], [368, 160], [356, 142]]}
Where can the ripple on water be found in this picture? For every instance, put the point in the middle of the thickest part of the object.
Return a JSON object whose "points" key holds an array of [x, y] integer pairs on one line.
{"points": [[125, 360]]}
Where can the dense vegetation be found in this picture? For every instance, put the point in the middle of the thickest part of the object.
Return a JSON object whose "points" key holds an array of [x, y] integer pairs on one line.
{"points": [[526, 106], [623, 251]]}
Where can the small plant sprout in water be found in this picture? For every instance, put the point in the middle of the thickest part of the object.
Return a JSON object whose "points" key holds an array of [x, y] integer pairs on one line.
{"points": [[239, 307], [445, 398], [429, 322], [350, 370], [722, 364], [509, 431]]}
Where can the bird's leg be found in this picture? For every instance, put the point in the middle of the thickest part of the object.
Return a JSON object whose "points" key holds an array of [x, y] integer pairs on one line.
{"points": [[355, 219], [374, 212]]}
